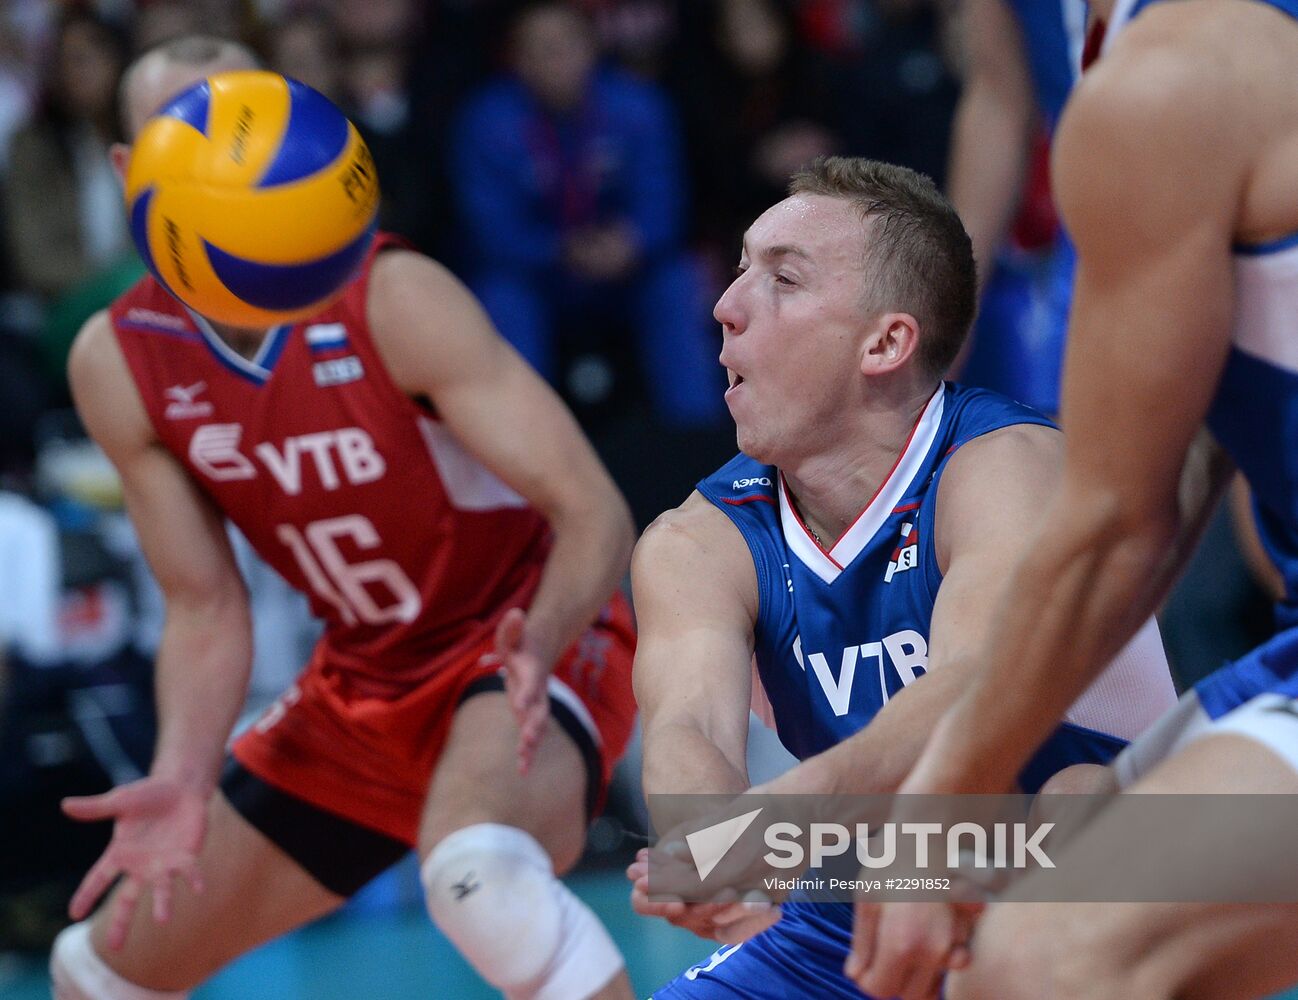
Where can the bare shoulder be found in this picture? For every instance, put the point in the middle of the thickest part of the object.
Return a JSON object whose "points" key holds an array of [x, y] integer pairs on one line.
{"points": [[697, 548], [397, 271], [427, 325], [106, 397], [998, 482], [1013, 452], [95, 352], [1168, 78], [695, 526]]}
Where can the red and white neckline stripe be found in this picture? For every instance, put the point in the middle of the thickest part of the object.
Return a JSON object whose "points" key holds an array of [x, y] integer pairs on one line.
{"points": [[829, 563]]}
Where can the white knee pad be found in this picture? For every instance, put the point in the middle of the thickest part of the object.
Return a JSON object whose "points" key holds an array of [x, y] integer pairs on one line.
{"points": [[79, 973], [492, 891]]}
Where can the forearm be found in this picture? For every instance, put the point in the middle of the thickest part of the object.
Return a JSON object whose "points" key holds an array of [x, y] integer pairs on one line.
{"points": [[201, 681], [591, 552], [680, 759], [989, 149], [875, 760]]}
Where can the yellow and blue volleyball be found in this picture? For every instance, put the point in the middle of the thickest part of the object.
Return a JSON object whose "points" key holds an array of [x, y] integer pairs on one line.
{"points": [[252, 198]]}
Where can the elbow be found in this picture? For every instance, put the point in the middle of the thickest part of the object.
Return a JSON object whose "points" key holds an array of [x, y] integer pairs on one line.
{"points": [[219, 614], [1125, 529]]}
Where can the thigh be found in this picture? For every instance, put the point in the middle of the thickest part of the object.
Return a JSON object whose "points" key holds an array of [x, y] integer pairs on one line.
{"points": [[477, 781], [252, 892], [592, 710]]}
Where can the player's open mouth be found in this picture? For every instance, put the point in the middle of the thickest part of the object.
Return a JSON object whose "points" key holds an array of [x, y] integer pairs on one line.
{"points": [[735, 378]]}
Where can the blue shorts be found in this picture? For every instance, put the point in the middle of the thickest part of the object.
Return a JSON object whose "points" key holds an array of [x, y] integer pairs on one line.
{"points": [[1256, 696], [801, 956], [1272, 668]]}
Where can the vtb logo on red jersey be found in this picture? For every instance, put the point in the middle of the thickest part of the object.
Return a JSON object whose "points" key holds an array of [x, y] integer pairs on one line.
{"points": [[906, 555], [347, 454]]}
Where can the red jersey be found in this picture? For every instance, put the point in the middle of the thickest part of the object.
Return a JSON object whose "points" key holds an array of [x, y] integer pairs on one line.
{"points": [[361, 498]]}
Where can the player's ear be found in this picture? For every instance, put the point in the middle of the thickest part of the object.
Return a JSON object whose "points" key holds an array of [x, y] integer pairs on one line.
{"points": [[892, 341], [119, 154]]}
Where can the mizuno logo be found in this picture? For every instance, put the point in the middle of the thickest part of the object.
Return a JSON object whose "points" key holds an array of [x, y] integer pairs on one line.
{"points": [[184, 403], [465, 887]]}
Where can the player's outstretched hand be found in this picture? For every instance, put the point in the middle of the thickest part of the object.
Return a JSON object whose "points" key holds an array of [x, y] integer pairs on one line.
{"points": [[158, 829], [729, 922], [903, 949], [526, 674]]}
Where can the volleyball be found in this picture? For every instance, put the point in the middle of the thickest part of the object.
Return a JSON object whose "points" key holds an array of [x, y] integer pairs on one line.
{"points": [[251, 198]]}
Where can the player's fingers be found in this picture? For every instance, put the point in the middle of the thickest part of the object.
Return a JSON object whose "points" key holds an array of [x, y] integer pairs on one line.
{"points": [[161, 898], [123, 909], [664, 907], [959, 958], [529, 739], [97, 880], [646, 907], [509, 633], [532, 731], [865, 925], [927, 963], [194, 876], [92, 807]]}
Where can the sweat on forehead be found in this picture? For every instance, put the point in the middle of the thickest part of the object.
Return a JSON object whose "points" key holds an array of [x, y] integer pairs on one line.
{"points": [[807, 226]]}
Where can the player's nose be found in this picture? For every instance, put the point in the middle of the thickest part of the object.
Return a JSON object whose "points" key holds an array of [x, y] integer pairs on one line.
{"points": [[729, 310]]}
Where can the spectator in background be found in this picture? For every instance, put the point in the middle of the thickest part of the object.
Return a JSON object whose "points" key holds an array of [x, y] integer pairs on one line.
{"points": [[766, 113], [571, 188], [162, 20], [64, 218], [304, 46], [639, 34], [16, 87], [377, 39], [896, 85]]}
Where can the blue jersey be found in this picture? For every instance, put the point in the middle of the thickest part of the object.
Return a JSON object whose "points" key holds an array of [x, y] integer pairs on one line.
{"points": [[840, 631]]}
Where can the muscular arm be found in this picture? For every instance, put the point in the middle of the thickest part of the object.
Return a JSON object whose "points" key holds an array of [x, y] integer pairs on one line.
{"points": [[1148, 338], [990, 496], [437, 342], [696, 604], [203, 662]]}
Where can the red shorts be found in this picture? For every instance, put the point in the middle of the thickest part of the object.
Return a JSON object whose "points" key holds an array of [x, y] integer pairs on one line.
{"points": [[370, 759]]}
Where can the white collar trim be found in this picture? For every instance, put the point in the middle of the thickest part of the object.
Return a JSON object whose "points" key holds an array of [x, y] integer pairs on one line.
{"points": [[828, 564]]}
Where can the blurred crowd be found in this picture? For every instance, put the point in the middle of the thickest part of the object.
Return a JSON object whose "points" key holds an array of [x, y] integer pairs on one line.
{"points": [[586, 166]]}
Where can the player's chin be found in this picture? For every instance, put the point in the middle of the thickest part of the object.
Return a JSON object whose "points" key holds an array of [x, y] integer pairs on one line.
{"points": [[752, 443]]}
